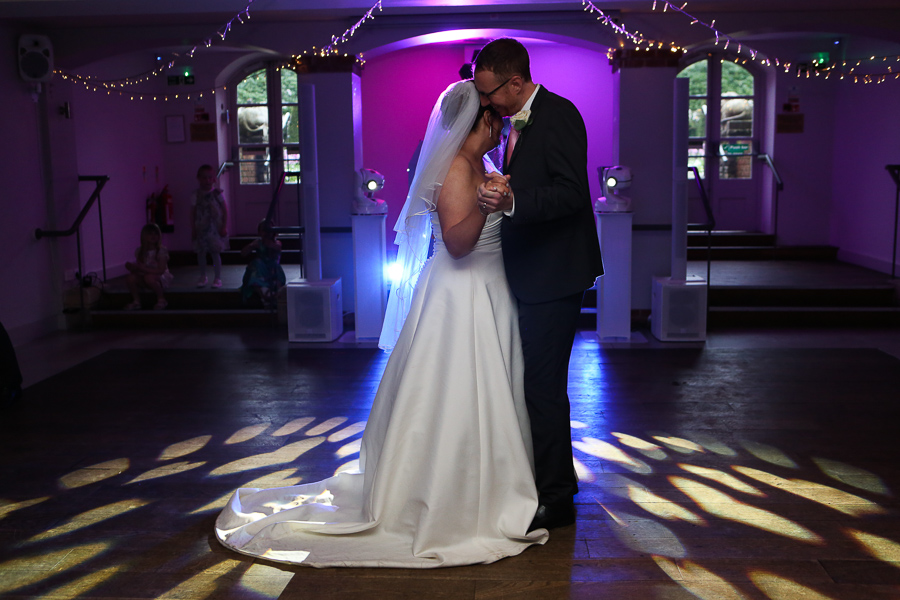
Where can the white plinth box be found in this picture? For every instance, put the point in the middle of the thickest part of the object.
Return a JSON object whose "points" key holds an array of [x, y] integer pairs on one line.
{"points": [[614, 288], [678, 309], [314, 310], [369, 257]]}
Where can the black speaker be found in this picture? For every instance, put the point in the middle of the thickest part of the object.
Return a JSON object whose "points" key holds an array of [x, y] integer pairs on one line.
{"points": [[35, 58]]}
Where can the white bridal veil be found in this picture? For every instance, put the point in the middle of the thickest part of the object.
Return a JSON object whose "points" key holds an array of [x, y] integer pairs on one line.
{"points": [[451, 121]]}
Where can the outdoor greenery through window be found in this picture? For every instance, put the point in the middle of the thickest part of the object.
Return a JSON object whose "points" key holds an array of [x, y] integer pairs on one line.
{"points": [[256, 148], [731, 86]]}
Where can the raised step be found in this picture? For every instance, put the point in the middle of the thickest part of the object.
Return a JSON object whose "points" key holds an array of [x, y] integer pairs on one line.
{"points": [[803, 316], [751, 296], [730, 238], [762, 253]]}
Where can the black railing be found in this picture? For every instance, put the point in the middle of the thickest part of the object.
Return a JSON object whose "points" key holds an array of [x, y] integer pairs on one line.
{"points": [[894, 170], [710, 220], [222, 167], [273, 205], [100, 181], [779, 185]]}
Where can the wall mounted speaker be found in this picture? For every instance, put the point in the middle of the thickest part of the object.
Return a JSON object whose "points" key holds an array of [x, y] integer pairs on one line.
{"points": [[678, 309], [314, 310], [35, 58]]}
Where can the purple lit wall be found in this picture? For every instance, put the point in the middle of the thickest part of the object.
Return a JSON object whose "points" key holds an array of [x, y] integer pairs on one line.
{"points": [[399, 90]]}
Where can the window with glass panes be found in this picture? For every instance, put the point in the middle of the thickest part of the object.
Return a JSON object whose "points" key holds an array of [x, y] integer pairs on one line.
{"points": [[731, 87], [257, 99]]}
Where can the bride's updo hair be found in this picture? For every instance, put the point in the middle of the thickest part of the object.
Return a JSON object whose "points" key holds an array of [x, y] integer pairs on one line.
{"points": [[480, 113]]}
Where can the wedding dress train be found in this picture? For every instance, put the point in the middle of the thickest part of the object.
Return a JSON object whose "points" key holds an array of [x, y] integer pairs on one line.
{"points": [[446, 469]]}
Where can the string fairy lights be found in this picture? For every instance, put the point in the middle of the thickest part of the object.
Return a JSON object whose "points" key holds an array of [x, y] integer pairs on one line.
{"points": [[120, 86], [857, 71]]}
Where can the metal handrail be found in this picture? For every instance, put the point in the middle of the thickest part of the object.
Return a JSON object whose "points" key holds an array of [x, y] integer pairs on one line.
{"points": [[894, 170], [710, 222], [100, 181], [222, 167], [270, 214], [710, 219], [779, 185]]}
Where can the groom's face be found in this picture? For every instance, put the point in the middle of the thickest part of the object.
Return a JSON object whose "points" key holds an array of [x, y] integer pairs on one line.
{"points": [[496, 92]]}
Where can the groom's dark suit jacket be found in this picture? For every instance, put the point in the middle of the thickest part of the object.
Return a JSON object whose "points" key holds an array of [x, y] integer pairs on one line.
{"points": [[550, 245]]}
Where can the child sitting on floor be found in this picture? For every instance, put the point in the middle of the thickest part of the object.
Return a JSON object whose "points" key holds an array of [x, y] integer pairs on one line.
{"points": [[264, 275], [150, 269]]}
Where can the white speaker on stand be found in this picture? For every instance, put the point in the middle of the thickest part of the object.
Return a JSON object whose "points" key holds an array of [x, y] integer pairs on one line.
{"points": [[314, 310], [678, 302]]}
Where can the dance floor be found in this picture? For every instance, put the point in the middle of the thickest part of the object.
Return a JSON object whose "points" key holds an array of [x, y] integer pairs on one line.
{"points": [[706, 472]]}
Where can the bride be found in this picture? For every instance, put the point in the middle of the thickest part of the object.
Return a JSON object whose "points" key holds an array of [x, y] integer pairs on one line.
{"points": [[446, 469]]}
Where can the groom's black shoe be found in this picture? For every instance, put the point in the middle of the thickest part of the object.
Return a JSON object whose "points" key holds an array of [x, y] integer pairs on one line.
{"points": [[555, 515]]}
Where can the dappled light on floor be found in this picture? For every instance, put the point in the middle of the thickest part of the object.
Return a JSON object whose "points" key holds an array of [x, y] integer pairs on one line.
{"points": [[777, 588], [679, 445], [769, 454], [167, 470], [325, 427], [203, 584], [247, 433], [83, 585], [877, 546], [346, 432], [661, 507], [825, 495], [722, 505], [725, 479], [91, 517], [293, 426], [644, 447], [348, 449], [700, 582], [31, 569], [95, 473], [644, 535], [7, 508], [607, 451], [272, 480], [854, 476], [184, 448], [699, 493], [282, 456]]}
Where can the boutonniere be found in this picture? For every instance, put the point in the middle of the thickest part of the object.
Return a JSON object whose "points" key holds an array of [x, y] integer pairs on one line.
{"points": [[521, 119]]}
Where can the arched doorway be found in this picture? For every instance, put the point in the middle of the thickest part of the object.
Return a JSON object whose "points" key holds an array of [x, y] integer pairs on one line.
{"points": [[724, 140], [265, 139]]}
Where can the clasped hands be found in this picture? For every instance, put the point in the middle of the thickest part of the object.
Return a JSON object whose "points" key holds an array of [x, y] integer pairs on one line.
{"points": [[494, 194]]}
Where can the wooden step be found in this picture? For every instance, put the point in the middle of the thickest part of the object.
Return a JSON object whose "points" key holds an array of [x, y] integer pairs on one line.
{"points": [[762, 253], [805, 316]]}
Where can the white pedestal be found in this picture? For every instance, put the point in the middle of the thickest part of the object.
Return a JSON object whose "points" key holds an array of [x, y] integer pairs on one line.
{"points": [[369, 257], [614, 288]]}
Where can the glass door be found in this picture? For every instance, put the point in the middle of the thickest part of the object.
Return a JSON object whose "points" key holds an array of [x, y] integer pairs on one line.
{"points": [[723, 142]]}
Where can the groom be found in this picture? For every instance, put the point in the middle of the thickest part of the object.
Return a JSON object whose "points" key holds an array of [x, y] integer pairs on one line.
{"points": [[550, 250]]}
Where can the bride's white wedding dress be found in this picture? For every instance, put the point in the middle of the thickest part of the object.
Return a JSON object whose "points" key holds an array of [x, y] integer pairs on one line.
{"points": [[446, 472]]}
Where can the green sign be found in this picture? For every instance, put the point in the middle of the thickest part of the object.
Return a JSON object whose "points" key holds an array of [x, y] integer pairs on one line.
{"points": [[736, 148]]}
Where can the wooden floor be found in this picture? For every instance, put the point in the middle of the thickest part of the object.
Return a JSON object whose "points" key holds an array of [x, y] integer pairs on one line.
{"points": [[759, 464]]}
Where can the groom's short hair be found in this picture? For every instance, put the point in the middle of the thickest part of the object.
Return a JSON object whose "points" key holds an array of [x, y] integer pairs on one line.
{"points": [[505, 57]]}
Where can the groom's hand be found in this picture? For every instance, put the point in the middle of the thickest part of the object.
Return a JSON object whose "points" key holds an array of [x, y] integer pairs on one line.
{"points": [[495, 194]]}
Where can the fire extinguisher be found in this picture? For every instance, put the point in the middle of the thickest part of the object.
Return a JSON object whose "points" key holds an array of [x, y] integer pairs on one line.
{"points": [[165, 211]]}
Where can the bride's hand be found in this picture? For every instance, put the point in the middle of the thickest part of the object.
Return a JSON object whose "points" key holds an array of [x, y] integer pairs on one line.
{"points": [[494, 194]]}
